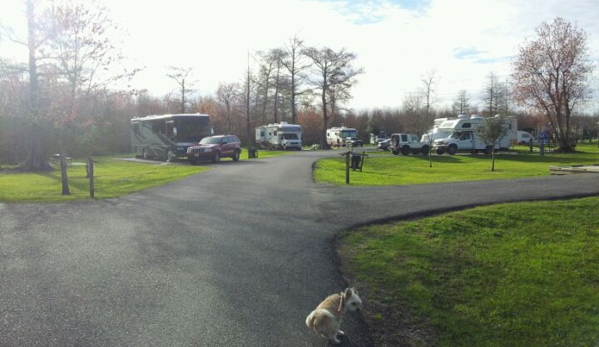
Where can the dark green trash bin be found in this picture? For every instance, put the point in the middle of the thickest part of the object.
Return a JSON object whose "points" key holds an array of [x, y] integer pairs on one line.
{"points": [[252, 153]]}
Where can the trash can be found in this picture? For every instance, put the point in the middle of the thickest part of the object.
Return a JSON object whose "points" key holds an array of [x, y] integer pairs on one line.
{"points": [[252, 153], [355, 161]]}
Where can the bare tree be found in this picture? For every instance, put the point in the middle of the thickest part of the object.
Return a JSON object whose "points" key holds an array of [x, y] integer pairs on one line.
{"points": [[180, 76], [461, 104], [429, 80], [333, 76], [552, 74], [493, 94], [491, 132], [294, 63], [226, 94]]}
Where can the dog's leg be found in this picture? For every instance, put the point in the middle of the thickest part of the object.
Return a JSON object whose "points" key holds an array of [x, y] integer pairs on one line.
{"points": [[334, 340]]}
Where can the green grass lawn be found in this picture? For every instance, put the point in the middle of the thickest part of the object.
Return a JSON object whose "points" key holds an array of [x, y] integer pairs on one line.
{"points": [[506, 275], [403, 170], [112, 178]]}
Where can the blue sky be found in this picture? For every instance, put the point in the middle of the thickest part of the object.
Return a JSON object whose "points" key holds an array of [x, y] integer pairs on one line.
{"points": [[396, 41]]}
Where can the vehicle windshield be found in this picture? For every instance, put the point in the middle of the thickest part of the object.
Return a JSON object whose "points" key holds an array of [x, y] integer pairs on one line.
{"points": [[191, 129], [289, 136], [348, 133], [210, 140], [456, 135]]}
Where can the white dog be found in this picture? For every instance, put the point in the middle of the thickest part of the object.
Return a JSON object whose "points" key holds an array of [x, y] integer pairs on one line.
{"points": [[326, 318]]}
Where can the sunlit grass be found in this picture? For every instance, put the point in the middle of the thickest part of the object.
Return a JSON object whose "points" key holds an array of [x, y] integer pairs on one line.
{"points": [[404, 170], [112, 178], [506, 275]]}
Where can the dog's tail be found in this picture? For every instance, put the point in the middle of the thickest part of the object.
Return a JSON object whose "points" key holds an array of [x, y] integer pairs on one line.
{"points": [[321, 315], [310, 319]]}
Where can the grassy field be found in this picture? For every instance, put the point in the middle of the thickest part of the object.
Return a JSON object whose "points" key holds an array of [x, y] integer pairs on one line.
{"points": [[403, 170], [113, 178], [490, 276]]}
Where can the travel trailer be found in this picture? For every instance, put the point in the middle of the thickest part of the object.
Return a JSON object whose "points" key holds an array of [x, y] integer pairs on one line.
{"points": [[464, 137], [282, 136]]}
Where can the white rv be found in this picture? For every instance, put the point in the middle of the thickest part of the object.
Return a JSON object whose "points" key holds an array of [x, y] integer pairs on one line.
{"points": [[435, 133], [342, 136], [524, 137], [282, 136], [464, 137]]}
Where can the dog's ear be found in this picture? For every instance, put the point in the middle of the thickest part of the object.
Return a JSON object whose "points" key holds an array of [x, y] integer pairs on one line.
{"points": [[349, 292]]}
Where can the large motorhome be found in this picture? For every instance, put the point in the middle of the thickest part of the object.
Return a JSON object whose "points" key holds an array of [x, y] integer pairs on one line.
{"points": [[464, 137], [342, 136], [168, 136], [281, 136]]}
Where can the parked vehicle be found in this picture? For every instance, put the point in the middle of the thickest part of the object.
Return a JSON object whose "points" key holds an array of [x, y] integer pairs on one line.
{"points": [[376, 138], [168, 136], [384, 145], [434, 133], [407, 143], [215, 148], [342, 136], [524, 137], [282, 136], [464, 137]]}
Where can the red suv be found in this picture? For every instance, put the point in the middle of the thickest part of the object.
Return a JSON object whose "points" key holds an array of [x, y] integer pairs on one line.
{"points": [[215, 148]]}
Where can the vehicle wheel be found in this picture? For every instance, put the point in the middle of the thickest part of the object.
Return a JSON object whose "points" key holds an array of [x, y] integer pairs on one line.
{"points": [[489, 149], [395, 151], [452, 149], [216, 158], [193, 161], [440, 151], [236, 156], [405, 150], [424, 150]]}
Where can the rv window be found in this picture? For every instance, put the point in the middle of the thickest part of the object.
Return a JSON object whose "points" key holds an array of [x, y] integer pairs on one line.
{"points": [[404, 138], [465, 136], [467, 125], [275, 133], [289, 136]]}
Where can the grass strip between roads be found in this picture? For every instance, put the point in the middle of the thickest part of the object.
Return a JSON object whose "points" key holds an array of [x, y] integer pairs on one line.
{"points": [[521, 274], [385, 169]]}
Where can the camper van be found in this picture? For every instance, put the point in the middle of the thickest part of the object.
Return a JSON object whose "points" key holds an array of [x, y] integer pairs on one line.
{"points": [[464, 137], [342, 136], [434, 133], [282, 136], [524, 137]]}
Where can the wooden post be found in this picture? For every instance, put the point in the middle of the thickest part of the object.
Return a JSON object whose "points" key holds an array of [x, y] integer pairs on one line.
{"points": [[90, 173], [63, 172], [347, 165]]}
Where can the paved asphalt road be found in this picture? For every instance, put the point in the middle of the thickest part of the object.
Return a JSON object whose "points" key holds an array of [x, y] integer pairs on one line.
{"points": [[236, 256]]}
